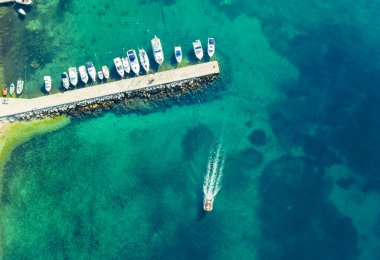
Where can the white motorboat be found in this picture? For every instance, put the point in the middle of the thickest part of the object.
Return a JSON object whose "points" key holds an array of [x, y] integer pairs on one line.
{"points": [[21, 11], [83, 74], [178, 53], [208, 204], [24, 2], [73, 76], [106, 72], [211, 47], [157, 50], [198, 51], [119, 66], [126, 66], [65, 80], [144, 60], [47, 80], [133, 61], [91, 70], [19, 87], [12, 89], [100, 75]]}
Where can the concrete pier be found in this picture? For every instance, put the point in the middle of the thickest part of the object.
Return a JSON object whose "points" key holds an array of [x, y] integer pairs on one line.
{"points": [[14, 106]]}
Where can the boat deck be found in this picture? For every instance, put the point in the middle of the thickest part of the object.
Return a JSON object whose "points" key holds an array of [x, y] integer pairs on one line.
{"points": [[14, 106]]}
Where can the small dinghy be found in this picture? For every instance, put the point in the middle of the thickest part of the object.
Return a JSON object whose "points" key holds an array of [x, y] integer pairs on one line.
{"points": [[127, 67], [178, 54], [21, 12], [100, 75], [211, 47], [65, 80], [24, 2], [119, 66], [144, 60], [19, 87], [12, 89], [47, 80], [106, 72]]}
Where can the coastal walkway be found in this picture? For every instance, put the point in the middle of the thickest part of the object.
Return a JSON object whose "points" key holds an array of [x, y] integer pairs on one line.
{"points": [[15, 106]]}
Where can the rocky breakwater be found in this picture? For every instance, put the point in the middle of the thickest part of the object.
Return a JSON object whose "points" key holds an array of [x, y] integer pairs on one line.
{"points": [[144, 100]]}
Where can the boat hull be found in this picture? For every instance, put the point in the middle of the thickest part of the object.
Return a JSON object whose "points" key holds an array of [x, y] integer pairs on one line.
{"points": [[208, 204]]}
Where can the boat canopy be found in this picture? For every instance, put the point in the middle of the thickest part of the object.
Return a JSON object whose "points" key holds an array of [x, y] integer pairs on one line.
{"points": [[178, 53], [211, 40], [64, 75]]}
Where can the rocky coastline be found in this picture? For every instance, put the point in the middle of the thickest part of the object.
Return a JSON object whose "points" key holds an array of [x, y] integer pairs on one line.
{"points": [[144, 100]]}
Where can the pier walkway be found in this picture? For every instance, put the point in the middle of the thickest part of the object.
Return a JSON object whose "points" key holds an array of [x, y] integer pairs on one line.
{"points": [[15, 106]]}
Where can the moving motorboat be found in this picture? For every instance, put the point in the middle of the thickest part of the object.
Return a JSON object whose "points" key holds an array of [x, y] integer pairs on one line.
{"points": [[126, 66], [12, 89], [119, 66], [19, 87], [157, 50], [106, 72], [73, 76], [211, 47], [198, 51], [65, 80], [144, 60], [133, 61], [208, 204], [47, 80], [100, 75], [24, 2], [83, 74], [178, 53], [91, 70]]}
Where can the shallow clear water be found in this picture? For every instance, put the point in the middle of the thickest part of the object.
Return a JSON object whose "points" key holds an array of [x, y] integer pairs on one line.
{"points": [[296, 112]]}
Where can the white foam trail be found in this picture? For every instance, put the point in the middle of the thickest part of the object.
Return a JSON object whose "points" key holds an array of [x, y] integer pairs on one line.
{"points": [[213, 177]]}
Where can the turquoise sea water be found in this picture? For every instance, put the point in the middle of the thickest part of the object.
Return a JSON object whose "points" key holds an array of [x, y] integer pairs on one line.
{"points": [[295, 110]]}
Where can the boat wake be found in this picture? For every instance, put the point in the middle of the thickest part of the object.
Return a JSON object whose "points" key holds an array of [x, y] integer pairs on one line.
{"points": [[213, 177]]}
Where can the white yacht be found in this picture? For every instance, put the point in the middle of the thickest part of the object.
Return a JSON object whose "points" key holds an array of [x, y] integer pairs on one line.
{"points": [[100, 75], [133, 61], [211, 47], [47, 80], [198, 51], [12, 89], [119, 66], [157, 50], [24, 2], [106, 72], [91, 70], [178, 53], [126, 66], [73, 75], [19, 87], [65, 80], [83, 74], [144, 60]]}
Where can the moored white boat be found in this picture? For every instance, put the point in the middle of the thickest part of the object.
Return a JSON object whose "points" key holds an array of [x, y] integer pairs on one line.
{"points": [[100, 75], [106, 71], [65, 80], [91, 71], [48, 84], [144, 60], [12, 89], [198, 50], [126, 66], [119, 66], [21, 11], [19, 87], [133, 61], [157, 50], [24, 2], [83, 74], [178, 53], [210, 47], [73, 76]]}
